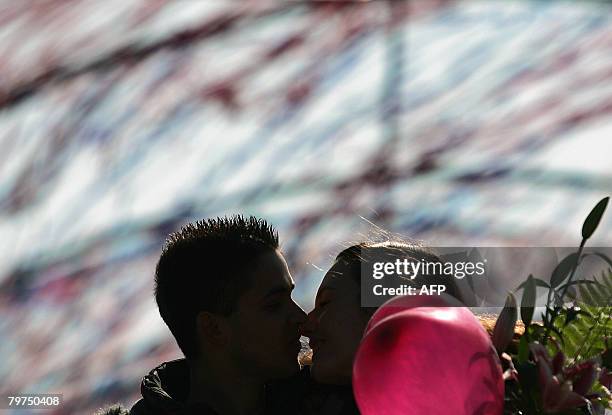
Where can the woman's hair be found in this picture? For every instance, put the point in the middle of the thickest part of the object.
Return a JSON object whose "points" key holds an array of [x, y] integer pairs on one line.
{"points": [[390, 250]]}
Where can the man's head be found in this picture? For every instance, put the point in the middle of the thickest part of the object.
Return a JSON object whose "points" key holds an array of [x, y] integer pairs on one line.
{"points": [[224, 290]]}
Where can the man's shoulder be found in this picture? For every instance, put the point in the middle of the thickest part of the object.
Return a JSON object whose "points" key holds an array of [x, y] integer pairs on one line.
{"points": [[140, 408]]}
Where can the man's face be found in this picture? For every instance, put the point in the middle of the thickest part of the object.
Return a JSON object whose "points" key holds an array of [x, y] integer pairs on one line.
{"points": [[265, 328]]}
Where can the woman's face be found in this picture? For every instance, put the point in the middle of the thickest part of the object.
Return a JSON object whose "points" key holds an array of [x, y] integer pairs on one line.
{"points": [[336, 324]]}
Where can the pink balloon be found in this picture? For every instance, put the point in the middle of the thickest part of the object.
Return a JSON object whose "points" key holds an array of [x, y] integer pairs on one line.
{"points": [[428, 361], [405, 302]]}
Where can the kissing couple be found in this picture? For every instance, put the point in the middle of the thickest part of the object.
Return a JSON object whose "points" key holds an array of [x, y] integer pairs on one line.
{"points": [[224, 289]]}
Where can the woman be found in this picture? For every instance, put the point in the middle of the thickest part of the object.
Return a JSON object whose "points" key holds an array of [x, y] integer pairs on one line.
{"points": [[337, 323], [389, 370]]}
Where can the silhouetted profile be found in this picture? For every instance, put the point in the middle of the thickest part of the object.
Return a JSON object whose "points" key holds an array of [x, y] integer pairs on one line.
{"points": [[224, 290]]}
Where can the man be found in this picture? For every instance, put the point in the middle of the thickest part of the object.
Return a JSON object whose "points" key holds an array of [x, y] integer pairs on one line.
{"points": [[224, 290]]}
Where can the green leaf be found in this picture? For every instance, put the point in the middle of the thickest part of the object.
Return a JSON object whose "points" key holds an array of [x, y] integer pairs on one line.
{"points": [[607, 281], [538, 282], [571, 293], [558, 332], [576, 282], [586, 327], [600, 255], [528, 300], [591, 222], [503, 332], [597, 295], [563, 269], [585, 296]]}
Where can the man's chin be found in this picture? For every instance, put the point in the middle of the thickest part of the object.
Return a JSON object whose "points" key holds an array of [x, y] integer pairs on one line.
{"points": [[322, 374], [287, 370]]}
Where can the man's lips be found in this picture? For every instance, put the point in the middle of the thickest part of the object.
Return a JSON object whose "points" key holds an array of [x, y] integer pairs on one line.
{"points": [[295, 341]]}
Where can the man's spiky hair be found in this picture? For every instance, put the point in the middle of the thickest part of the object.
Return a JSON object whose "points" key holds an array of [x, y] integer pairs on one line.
{"points": [[236, 228], [205, 267]]}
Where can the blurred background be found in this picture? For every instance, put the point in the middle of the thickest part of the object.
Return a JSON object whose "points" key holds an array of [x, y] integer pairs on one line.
{"points": [[484, 123]]}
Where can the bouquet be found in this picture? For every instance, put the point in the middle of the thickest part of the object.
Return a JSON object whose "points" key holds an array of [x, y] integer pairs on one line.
{"points": [[563, 363]]}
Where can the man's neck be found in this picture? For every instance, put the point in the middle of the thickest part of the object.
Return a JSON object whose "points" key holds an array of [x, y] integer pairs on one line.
{"points": [[225, 391]]}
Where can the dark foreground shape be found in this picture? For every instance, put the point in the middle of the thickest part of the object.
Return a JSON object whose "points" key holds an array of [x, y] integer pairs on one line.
{"points": [[115, 409]]}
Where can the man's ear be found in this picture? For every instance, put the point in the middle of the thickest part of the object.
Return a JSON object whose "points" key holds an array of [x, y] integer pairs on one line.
{"points": [[212, 328]]}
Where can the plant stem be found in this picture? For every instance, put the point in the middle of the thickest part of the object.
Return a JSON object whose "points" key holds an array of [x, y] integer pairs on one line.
{"points": [[556, 310], [578, 260]]}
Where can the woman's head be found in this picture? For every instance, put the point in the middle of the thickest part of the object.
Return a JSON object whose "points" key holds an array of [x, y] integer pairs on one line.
{"points": [[336, 325]]}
